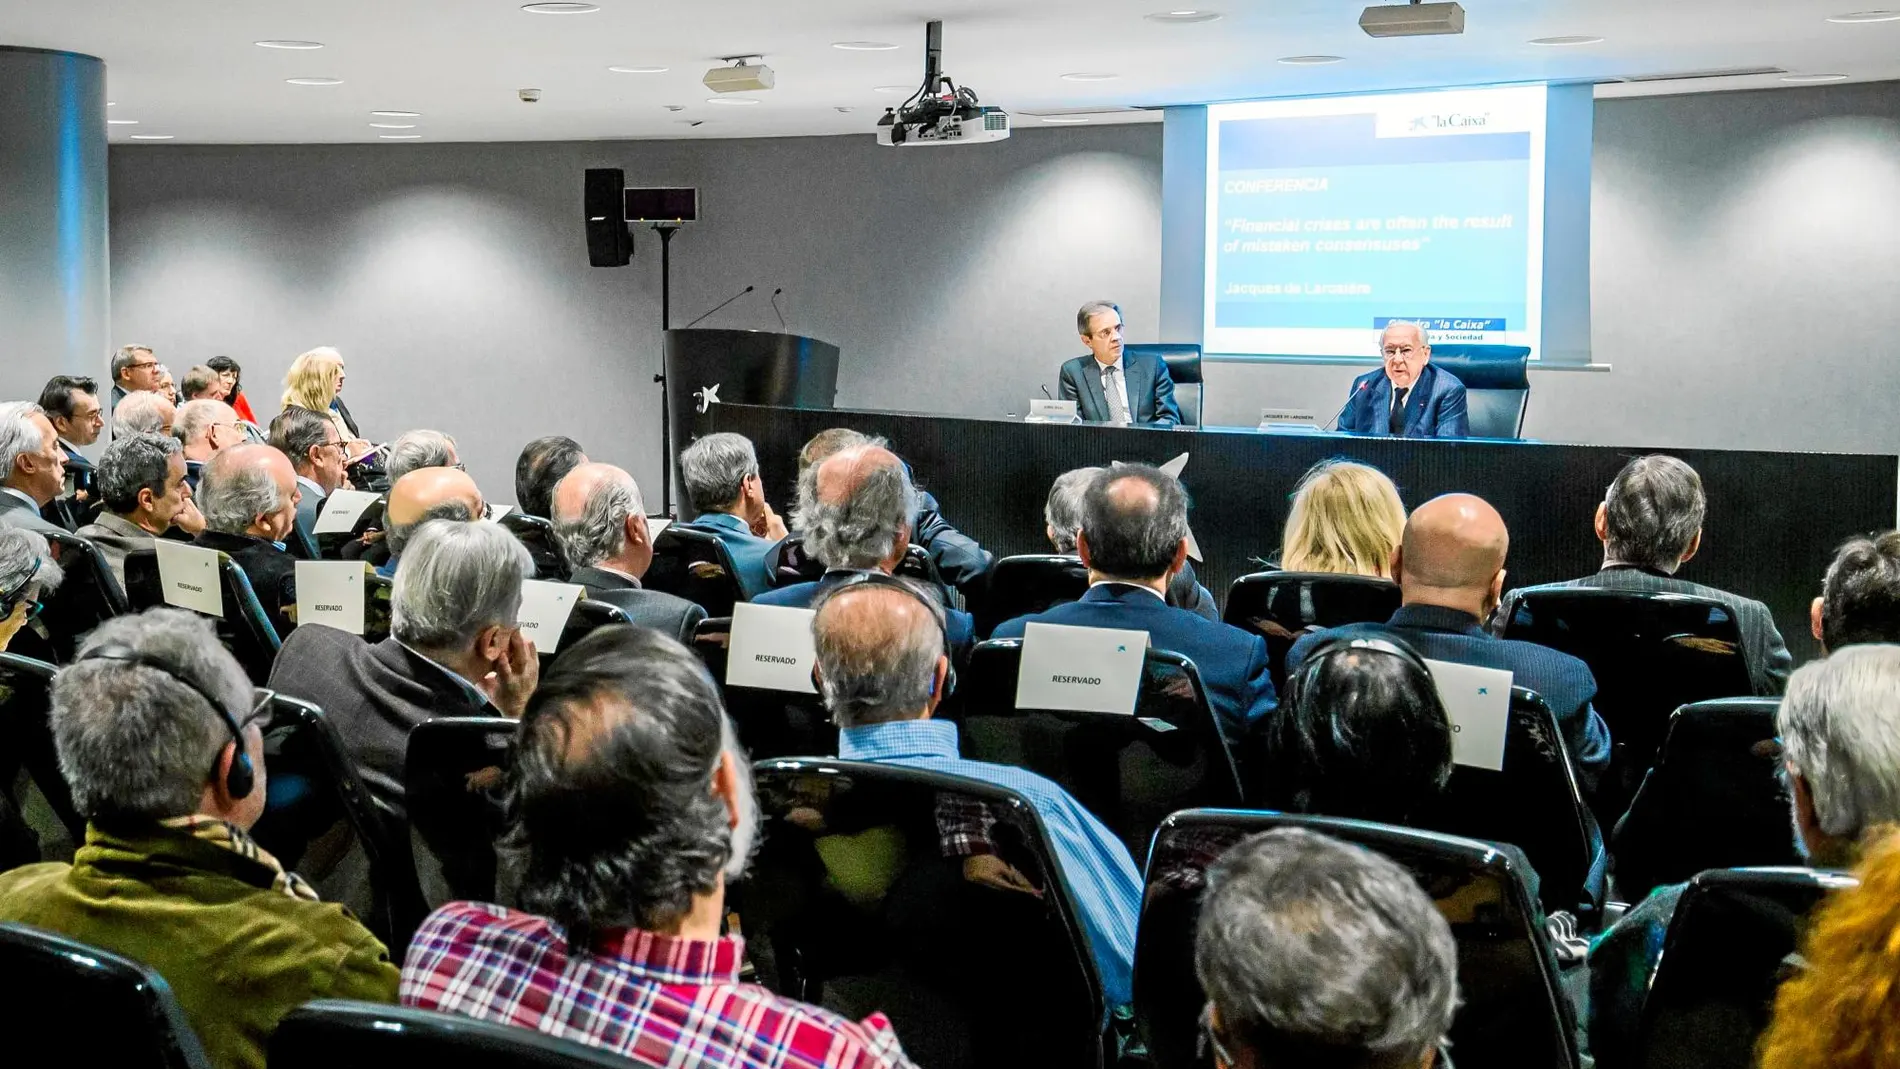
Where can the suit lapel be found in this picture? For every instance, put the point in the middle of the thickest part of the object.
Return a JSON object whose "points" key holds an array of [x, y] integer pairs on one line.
{"points": [[1141, 387], [1092, 384], [1415, 401]]}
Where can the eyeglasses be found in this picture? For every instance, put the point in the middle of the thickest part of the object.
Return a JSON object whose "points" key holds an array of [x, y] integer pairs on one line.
{"points": [[1405, 352], [147, 363]]}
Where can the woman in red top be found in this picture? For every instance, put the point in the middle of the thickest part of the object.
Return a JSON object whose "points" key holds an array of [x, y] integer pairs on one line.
{"points": [[233, 376]]}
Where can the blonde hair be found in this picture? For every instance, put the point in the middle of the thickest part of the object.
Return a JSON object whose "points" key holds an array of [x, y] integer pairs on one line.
{"points": [[1346, 518], [311, 381]]}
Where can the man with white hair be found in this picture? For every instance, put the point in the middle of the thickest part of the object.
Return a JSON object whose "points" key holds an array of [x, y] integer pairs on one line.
{"points": [[420, 449], [142, 412], [721, 475], [203, 427], [600, 522], [455, 649], [32, 467], [1407, 398], [248, 495]]}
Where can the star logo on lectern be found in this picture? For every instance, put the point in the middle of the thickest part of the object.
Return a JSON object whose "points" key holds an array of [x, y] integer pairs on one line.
{"points": [[708, 396]]}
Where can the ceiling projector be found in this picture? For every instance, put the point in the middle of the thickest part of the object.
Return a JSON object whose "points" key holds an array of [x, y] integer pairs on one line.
{"points": [[1412, 20], [740, 77], [940, 113]]}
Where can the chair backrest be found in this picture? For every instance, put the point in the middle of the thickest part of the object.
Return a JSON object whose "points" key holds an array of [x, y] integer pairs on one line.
{"points": [[1513, 1012], [859, 889], [452, 772], [245, 629], [1497, 385], [1722, 960], [588, 614], [695, 565], [301, 544], [379, 610], [64, 991], [770, 723], [1714, 799], [1281, 606], [1130, 771], [1184, 367], [331, 546], [370, 1035], [538, 535], [89, 596], [26, 741], [1028, 583], [789, 563]]}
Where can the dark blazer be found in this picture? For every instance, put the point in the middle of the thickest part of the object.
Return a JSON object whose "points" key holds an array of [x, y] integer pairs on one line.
{"points": [[1150, 389], [959, 626], [374, 694], [750, 553], [272, 572], [1449, 635], [1434, 409], [1233, 663], [669, 615], [957, 556], [16, 511]]}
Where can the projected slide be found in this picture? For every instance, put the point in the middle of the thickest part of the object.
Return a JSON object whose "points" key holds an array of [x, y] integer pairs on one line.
{"points": [[1329, 217]]}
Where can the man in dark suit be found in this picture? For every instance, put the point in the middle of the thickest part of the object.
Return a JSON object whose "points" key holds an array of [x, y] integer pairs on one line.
{"points": [[317, 456], [455, 649], [959, 560], [1408, 397], [32, 467], [134, 368], [72, 405], [1062, 519], [1650, 524], [600, 522], [1450, 571], [249, 499], [143, 492], [1110, 387], [1134, 538]]}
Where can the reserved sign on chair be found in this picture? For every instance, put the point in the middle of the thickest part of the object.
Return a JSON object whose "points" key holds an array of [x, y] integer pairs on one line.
{"points": [[341, 510], [331, 593], [545, 608], [1478, 703], [188, 576], [771, 648], [1080, 669]]}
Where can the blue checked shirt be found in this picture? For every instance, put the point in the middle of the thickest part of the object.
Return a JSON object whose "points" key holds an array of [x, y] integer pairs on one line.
{"points": [[1100, 873]]}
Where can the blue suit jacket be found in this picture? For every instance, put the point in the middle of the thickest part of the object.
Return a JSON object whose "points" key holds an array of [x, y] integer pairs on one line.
{"points": [[1150, 389], [1233, 663], [750, 553], [1434, 409], [1449, 635], [959, 627]]}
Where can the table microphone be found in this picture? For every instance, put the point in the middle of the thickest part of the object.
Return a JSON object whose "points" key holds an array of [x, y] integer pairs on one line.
{"points": [[1046, 393], [720, 305], [775, 308], [1350, 398]]}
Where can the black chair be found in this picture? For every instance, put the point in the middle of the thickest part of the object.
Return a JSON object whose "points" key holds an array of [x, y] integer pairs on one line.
{"points": [[379, 611], [1726, 953], [1281, 606], [337, 545], [1025, 584], [538, 535], [302, 545], [587, 614], [65, 991], [770, 723], [858, 901], [695, 565], [1184, 367], [453, 771], [790, 564], [26, 742], [245, 628], [1130, 771], [1714, 799], [89, 596], [1513, 1012], [1497, 385], [369, 1035]]}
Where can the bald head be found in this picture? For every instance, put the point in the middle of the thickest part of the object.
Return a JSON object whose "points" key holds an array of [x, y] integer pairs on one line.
{"points": [[600, 520], [430, 494], [251, 490], [855, 508], [880, 652], [843, 473], [1453, 554]]}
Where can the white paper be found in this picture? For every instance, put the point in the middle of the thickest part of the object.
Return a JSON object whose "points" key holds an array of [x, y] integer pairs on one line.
{"points": [[330, 592], [771, 648], [496, 512], [1478, 701], [341, 510], [1176, 466], [1042, 410], [656, 524], [188, 575], [1080, 669], [545, 608]]}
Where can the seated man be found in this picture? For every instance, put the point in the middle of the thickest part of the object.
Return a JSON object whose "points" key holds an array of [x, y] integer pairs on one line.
{"points": [[542, 465], [1407, 398], [202, 382], [32, 467], [454, 649], [1450, 570], [141, 480], [420, 449], [601, 524], [1650, 524], [205, 427], [721, 475], [1860, 598], [157, 732], [634, 807], [316, 455], [957, 557], [71, 403], [143, 412], [134, 369], [1062, 519], [432, 493], [249, 499], [1313, 952], [1134, 538], [1109, 386], [883, 671]]}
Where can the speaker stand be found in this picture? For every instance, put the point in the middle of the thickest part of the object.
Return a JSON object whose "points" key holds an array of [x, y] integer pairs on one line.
{"points": [[666, 232]]}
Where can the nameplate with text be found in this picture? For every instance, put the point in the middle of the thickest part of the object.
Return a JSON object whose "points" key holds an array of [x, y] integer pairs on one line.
{"points": [[341, 510], [1298, 420], [1080, 669], [545, 607], [330, 593], [771, 648], [1045, 411], [188, 576], [1478, 702]]}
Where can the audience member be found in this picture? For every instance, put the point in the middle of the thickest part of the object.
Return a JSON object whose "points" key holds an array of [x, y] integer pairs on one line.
{"points": [[27, 571], [543, 463], [1134, 537], [1317, 953], [232, 374], [158, 736], [455, 649], [958, 559], [249, 498], [1450, 570], [315, 382], [316, 455], [721, 475], [420, 449], [202, 382], [883, 670], [143, 412], [205, 427], [632, 807], [71, 403], [32, 467], [142, 486], [600, 522], [134, 368], [423, 495], [167, 387], [1860, 597], [1062, 519], [1346, 518], [1650, 524]]}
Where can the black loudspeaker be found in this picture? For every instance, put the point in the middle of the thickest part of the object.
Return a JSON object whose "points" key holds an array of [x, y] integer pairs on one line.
{"points": [[609, 239]]}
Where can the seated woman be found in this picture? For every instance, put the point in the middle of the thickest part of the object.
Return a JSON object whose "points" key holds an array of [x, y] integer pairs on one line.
{"points": [[314, 382], [1346, 518]]}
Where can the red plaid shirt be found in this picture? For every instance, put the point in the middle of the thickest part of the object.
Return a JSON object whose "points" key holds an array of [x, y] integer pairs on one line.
{"points": [[660, 1000]]}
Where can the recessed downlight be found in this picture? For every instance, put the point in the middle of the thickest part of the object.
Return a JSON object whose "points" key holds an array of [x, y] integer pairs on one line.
{"points": [[560, 9], [732, 102], [314, 81], [1183, 15], [153, 137], [864, 46], [294, 46], [893, 89], [639, 70], [112, 103], [399, 137], [122, 122], [1566, 41], [1090, 76], [392, 126], [1310, 61], [1812, 79], [1855, 18], [397, 114]]}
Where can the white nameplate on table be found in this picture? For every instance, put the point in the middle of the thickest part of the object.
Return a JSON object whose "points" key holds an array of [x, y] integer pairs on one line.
{"points": [[496, 512], [1295, 420], [1042, 410], [1080, 669], [545, 608], [771, 648], [1478, 702], [341, 510], [188, 575], [330, 592]]}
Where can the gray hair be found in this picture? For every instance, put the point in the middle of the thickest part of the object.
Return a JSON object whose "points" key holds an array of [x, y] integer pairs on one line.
{"points": [[197, 380], [132, 463], [860, 531], [18, 435], [399, 534], [235, 489], [25, 553], [419, 449], [714, 470], [124, 358], [135, 741], [1840, 732], [142, 411], [599, 530], [1309, 945], [1063, 511], [456, 579], [195, 419], [1090, 310], [1129, 538], [1653, 511], [871, 672], [1424, 336]]}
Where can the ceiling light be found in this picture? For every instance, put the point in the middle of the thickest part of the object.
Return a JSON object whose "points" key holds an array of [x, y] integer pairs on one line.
{"points": [[560, 9], [152, 137], [112, 103], [295, 46], [122, 122], [863, 46], [1561, 42], [1061, 120], [1812, 79], [314, 81], [1856, 17], [397, 114], [736, 102], [1310, 61], [399, 137], [1183, 16], [392, 126], [638, 70], [1086, 77], [893, 89]]}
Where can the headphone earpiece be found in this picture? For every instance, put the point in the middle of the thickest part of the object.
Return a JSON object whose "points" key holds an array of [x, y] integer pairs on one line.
{"points": [[241, 778]]}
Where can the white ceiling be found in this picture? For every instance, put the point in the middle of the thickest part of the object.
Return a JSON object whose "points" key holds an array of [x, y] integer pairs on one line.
{"points": [[189, 67]]}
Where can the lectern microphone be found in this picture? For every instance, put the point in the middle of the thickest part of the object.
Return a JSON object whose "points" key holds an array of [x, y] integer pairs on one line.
{"points": [[775, 308], [720, 305]]}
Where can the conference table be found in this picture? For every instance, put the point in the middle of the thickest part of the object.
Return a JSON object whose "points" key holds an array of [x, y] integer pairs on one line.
{"points": [[1774, 518]]}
